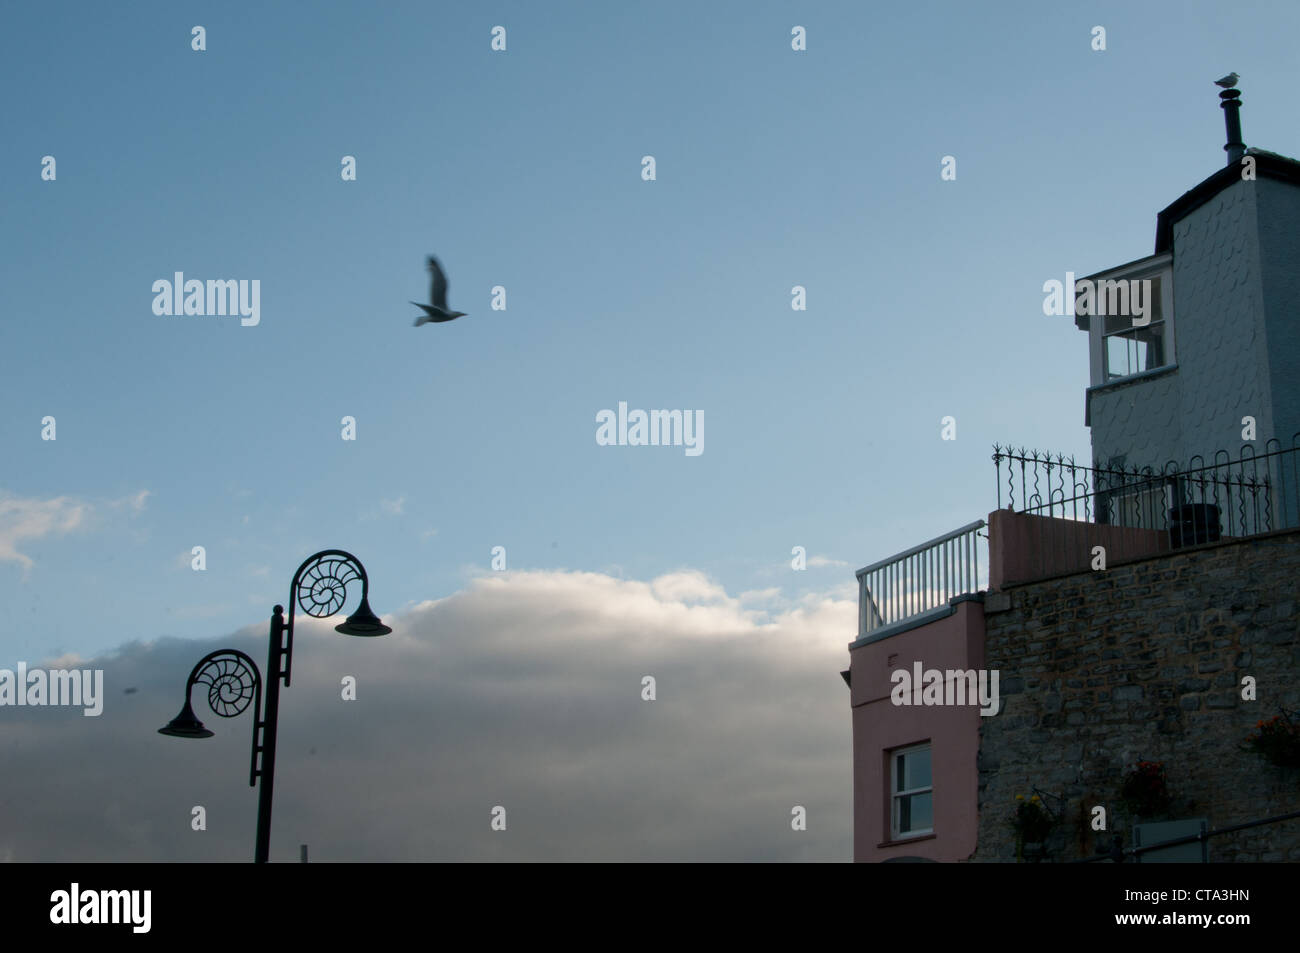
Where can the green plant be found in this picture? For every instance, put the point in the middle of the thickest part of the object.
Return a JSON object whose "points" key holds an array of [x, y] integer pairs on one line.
{"points": [[1145, 790], [1278, 740]]}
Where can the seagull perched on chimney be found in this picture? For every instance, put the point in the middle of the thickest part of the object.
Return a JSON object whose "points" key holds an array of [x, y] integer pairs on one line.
{"points": [[436, 311], [1228, 81]]}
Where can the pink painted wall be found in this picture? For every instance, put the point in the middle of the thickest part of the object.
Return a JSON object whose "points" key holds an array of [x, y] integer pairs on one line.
{"points": [[1025, 547], [956, 642]]}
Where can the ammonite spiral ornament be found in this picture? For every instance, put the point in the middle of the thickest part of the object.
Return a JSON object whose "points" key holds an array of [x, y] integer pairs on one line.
{"points": [[231, 684], [322, 587]]}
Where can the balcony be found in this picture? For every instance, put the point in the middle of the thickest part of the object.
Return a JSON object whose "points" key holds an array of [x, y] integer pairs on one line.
{"points": [[918, 585], [1062, 518]]}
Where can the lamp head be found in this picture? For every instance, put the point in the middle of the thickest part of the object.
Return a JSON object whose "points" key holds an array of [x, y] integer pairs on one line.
{"points": [[363, 622], [185, 725]]}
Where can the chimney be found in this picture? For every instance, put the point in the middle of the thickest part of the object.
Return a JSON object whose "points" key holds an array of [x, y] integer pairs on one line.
{"points": [[1231, 103]]}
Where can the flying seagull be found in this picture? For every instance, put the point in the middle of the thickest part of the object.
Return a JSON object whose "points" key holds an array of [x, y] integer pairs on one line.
{"points": [[1228, 81], [436, 310]]}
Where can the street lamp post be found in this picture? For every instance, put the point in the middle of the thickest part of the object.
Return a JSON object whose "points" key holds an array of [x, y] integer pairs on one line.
{"points": [[320, 588]]}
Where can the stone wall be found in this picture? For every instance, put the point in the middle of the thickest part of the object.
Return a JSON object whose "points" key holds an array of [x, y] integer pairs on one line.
{"points": [[1144, 661]]}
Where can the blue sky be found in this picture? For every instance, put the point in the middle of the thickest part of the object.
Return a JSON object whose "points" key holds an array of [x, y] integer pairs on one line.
{"points": [[522, 169]]}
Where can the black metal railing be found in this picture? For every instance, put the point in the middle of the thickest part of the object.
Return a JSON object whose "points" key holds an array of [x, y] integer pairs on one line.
{"points": [[1119, 853], [1132, 511]]}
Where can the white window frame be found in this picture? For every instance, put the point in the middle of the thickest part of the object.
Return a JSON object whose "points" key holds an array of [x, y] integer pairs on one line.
{"points": [[895, 795], [1160, 267]]}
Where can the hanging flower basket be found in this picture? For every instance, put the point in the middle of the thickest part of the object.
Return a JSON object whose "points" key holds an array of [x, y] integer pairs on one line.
{"points": [[1145, 791], [1278, 740], [1032, 823]]}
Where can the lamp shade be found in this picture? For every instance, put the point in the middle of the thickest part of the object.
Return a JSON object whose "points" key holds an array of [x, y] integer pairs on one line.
{"points": [[363, 622], [185, 725]]}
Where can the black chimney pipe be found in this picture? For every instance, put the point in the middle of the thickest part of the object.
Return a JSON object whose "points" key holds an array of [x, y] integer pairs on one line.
{"points": [[1231, 103]]}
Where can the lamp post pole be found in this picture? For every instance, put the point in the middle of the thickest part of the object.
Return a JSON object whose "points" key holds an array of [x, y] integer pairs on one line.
{"points": [[320, 588], [274, 654]]}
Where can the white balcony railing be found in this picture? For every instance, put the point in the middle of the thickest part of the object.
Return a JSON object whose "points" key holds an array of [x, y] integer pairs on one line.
{"points": [[922, 578]]}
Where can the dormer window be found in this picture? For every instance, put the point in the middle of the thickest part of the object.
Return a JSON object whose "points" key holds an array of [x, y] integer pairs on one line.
{"points": [[1128, 313], [1128, 348]]}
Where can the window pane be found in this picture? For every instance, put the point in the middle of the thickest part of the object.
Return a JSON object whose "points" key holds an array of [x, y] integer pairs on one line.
{"points": [[1125, 306], [1151, 343], [917, 770], [1134, 350], [922, 812], [1117, 323], [1117, 356], [915, 813]]}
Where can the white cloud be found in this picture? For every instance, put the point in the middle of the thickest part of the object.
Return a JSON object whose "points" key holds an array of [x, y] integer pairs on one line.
{"points": [[28, 518], [523, 689], [24, 519], [393, 507], [66, 660], [818, 562], [688, 586], [135, 501]]}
